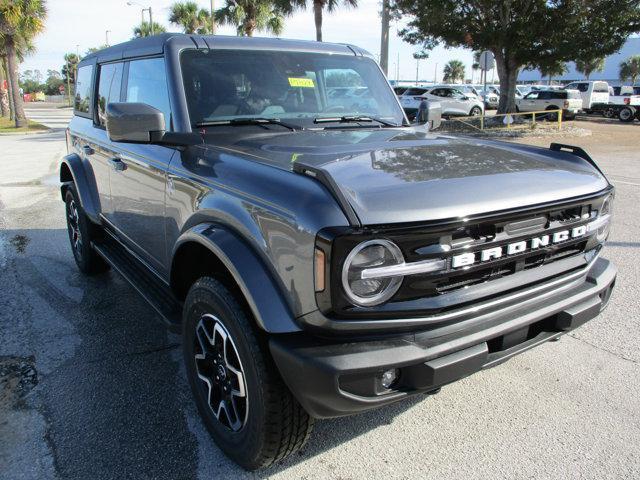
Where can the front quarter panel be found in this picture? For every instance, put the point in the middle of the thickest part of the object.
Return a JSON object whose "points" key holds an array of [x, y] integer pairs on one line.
{"points": [[275, 212]]}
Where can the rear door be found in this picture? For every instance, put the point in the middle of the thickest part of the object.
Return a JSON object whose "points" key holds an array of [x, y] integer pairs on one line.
{"points": [[138, 179], [600, 93], [109, 90]]}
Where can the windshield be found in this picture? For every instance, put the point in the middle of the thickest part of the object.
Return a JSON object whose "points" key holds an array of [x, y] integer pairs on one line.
{"points": [[296, 87]]}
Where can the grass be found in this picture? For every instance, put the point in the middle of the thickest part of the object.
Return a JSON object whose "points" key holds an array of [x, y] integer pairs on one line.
{"points": [[9, 126]]}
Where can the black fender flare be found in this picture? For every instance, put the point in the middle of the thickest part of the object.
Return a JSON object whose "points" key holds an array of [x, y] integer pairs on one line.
{"points": [[264, 296], [84, 184]]}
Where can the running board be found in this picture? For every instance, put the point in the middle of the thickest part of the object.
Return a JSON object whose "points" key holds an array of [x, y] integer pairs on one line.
{"points": [[152, 289]]}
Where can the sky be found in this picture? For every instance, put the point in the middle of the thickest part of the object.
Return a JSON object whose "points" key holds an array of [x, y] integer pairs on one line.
{"points": [[81, 24]]}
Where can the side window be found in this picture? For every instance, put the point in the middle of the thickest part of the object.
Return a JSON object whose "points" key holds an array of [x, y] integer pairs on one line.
{"points": [[147, 83], [545, 96], [532, 96], [83, 89], [108, 88]]}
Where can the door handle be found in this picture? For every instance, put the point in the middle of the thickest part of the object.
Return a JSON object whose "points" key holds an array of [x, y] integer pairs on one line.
{"points": [[117, 164], [88, 150]]}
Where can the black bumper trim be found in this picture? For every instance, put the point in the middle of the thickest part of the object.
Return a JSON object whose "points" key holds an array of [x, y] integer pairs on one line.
{"points": [[329, 377]]}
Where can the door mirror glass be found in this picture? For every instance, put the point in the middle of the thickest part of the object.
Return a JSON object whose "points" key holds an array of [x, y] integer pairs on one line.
{"points": [[134, 123]]}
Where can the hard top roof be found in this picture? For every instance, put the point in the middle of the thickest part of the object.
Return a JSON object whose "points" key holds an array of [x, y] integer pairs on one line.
{"points": [[156, 44]]}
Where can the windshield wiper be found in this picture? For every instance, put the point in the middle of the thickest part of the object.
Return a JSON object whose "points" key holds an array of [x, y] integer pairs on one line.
{"points": [[250, 121], [355, 119]]}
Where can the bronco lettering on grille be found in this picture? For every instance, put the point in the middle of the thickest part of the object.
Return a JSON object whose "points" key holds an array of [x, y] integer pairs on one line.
{"points": [[471, 258]]}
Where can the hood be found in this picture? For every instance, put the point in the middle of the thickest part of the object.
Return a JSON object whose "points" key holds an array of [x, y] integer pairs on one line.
{"points": [[406, 175]]}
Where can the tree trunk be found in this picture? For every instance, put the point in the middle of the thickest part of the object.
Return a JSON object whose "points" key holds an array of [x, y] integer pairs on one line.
{"points": [[508, 73], [249, 27], [4, 93], [318, 6], [11, 106], [20, 117]]}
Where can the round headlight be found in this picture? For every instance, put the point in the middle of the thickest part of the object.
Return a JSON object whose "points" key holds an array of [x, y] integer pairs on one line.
{"points": [[371, 254], [605, 212]]}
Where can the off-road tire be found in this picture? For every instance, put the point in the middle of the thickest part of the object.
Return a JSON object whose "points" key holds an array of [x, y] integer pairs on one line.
{"points": [[81, 232], [275, 424]]}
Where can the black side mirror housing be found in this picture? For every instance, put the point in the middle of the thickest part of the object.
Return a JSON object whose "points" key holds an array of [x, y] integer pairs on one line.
{"points": [[134, 123], [142, 123], [429, 113]]}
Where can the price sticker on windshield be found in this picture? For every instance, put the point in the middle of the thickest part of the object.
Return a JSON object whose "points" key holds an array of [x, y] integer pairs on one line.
{"points": [[301, 82]]}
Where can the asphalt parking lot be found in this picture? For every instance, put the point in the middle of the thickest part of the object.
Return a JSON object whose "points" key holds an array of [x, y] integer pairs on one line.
{"points": [[92, 386]]}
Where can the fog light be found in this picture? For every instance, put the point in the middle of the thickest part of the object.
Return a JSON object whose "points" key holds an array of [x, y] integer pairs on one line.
{"points": [[389, 377]]}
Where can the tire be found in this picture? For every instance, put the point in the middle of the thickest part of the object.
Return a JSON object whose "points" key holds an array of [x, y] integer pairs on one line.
{"points": [[81, 231], [264, 422], [475, 111], [627, 114], [551, 116], [608, 113]]}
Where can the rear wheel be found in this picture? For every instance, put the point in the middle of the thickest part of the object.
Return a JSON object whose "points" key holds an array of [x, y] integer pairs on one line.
{"points": [[626, 114], [552, 116], [81, 232], [248, 410]]}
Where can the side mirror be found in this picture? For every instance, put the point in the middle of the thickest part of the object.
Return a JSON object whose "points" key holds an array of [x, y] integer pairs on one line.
{"points": [[134, 123], [142, 123], [429, 113]]}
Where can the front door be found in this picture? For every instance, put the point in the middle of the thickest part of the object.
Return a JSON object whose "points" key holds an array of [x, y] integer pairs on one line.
{"points": [[138, 175]]}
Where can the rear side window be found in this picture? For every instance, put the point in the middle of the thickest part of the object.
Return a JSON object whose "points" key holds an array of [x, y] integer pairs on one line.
{"points": [[147, 83], [108, 88], [545, 95], [415, 91], [83, 90], [559, 95], [582, 87]]}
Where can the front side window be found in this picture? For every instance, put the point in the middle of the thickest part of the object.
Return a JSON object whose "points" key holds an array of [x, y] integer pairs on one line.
{"points": [[83, 89], [299, 87], [147, 83], [108, 88], [532, 96]]}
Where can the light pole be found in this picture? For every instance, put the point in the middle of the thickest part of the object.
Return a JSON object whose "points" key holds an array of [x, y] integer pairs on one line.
{"points": [[213, 21], [106, 37], [142, 10]]}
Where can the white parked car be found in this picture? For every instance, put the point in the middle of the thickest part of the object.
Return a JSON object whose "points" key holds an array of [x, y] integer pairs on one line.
{"points": [[569, 101], [452, 100], [591, 92], [491, 97]]}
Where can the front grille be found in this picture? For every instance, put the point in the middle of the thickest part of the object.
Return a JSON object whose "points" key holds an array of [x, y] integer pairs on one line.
{"points": [[429, 293]]}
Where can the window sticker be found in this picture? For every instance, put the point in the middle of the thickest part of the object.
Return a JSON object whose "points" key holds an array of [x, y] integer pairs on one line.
{"points": [[301, 82]]}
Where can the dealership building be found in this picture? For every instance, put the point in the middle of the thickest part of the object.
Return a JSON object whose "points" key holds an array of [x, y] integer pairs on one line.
{"points": [[609, 74]]}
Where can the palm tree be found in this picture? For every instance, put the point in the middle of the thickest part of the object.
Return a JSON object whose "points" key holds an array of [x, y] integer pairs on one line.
{"points": [[475, 66], [20, 21], [587, 67], [555, 69], [251, 15], [330, 5], [144, 29], [22, 49], [453, 71], [191, 18], [630, 68]]}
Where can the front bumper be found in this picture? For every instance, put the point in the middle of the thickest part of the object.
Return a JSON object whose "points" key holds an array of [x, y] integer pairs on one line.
{"points": [[332, 378]]}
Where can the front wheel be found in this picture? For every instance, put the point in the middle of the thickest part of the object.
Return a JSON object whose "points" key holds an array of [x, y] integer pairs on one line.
{"points": [[475, 112], [246, 407]]}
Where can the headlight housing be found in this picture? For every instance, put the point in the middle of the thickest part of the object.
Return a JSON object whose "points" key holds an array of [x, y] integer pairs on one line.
{"points": [[603, 222], [368, 292]]}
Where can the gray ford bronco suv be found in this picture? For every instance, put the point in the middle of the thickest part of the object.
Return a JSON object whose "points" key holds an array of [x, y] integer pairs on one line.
{"points": [[320, 255]]}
